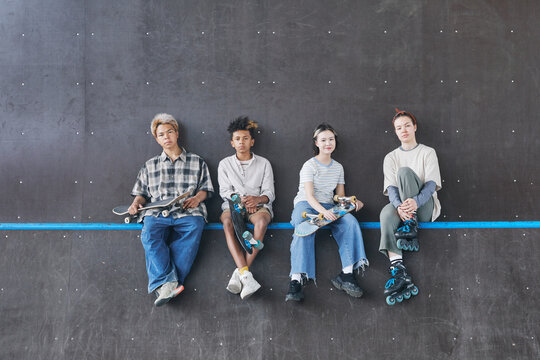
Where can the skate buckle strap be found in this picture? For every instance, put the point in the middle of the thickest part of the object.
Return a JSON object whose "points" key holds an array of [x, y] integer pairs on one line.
{"points": [[390, 283], [404, 228]]}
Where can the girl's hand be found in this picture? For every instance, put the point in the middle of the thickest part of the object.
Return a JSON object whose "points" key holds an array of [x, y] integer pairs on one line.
{"points": [[403, 214], [359, 205], [329, 215], [409, 205]]}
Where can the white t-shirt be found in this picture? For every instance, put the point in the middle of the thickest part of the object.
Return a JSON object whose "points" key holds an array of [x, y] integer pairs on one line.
{"points": [[325, 179], [423, 161]]}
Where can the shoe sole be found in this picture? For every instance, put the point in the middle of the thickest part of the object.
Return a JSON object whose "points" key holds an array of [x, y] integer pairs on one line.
{"points": [[234, 289], [356, 294], [244, 297], [175, 293]]}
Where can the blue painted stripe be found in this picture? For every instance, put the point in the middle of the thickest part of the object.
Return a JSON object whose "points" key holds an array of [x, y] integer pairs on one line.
{"points": [[273, 226]]}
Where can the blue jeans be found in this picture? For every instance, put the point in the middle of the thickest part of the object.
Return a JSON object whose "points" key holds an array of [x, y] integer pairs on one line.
{"points": [[170, 246], [346, 232]]}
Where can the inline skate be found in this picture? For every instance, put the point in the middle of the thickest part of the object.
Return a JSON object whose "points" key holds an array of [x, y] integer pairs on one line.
{"points": [[400, 285], [407, 235]]}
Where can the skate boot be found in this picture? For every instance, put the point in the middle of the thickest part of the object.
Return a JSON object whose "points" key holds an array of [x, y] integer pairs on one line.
{"points": [[400, 285], [407, 235]]}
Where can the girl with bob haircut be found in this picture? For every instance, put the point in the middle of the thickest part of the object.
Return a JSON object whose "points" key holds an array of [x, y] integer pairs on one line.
{"points": [[321, 177]]}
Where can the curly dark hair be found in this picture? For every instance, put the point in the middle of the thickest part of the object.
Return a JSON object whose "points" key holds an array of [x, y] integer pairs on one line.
{"points": [[319, 129], [242, 123]]}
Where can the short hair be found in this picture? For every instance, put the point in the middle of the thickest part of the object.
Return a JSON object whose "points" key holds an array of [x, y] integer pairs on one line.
{"points": [[319, 129], [161, 119], [242, 123], [401, 113]]}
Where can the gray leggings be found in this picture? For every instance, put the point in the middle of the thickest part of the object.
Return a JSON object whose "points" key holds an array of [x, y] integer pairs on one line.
{"points": [[409, 185]]}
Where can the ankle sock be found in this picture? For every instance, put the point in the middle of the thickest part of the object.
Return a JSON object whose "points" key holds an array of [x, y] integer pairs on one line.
{"points": [[297, 277], [395, 259], [347, 269], [241, 270]]}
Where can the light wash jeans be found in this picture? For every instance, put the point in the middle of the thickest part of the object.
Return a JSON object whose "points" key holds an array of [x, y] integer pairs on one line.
{"points": [[346, 232], [170, 246]]}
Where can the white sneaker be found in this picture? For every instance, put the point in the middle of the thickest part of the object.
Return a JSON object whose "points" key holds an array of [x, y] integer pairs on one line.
{"points": [[249, 285], [235, 285], [167, 291]]}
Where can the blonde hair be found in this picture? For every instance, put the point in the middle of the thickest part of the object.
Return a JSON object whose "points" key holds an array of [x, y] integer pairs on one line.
{"points": [[161, 119]]}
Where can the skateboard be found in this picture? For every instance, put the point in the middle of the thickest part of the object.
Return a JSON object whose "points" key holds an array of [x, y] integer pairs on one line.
{"points": [[244, 237], [344, 205], [166, 205]]}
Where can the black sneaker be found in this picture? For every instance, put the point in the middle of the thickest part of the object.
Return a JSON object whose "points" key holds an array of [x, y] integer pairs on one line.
{"points": [[347, 283], [295, 291]]}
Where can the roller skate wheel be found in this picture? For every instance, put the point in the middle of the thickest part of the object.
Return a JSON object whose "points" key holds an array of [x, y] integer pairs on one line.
{"points": [[400, 244], [390, 301], [247, 235], [407, 295], [399, 298], [127, 220], [304, 214], [414, 291], [165, 213]]}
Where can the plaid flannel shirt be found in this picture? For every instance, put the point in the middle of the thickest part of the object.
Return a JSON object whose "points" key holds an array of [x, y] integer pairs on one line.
{"points": [[161, 179]]}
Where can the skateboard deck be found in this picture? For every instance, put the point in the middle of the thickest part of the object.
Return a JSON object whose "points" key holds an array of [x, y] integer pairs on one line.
{"points": [[316, 221], [244, 237], [166, 205]]}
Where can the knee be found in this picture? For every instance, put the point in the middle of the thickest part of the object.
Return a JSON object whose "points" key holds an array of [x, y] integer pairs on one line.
{"points": [[227, 223], [404, 172], [387, 212], [349, 220], [261, 223]]}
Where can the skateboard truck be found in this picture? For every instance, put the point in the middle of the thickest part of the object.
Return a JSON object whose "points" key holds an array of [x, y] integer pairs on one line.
{"points": [[250, 242], [344, 201], [313, 218]]}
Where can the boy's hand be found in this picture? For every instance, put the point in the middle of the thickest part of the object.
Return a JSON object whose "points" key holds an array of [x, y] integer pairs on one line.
{"points": [[134, 208], [252, 209], [191, 202], [358, 205], [251, 201]]}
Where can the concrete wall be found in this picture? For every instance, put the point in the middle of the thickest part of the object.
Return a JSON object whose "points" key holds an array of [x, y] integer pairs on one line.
{"points": [[81, 81]]}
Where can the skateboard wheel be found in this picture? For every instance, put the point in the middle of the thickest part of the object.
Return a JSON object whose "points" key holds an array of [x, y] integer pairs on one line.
{"points": [[247, 235], [320, 216], [235, 198], [165, 213], [336, 198], [127, 220], [304, 214], [353, 199], [259, 246]]}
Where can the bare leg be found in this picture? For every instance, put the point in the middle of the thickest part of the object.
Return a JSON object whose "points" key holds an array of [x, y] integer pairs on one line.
{"points": [[260, 221], [232, 243]]}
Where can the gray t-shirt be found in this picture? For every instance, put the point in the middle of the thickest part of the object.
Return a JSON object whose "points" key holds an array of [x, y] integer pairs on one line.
{"points": [[325, 179]]}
